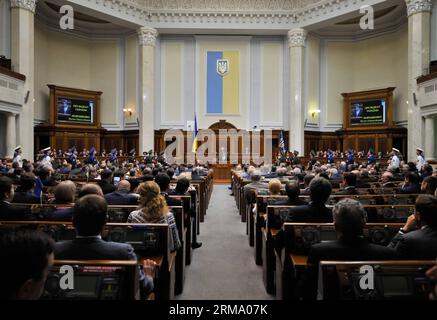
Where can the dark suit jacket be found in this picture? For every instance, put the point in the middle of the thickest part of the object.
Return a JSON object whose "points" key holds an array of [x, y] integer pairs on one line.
{"points": [[106, 186], [290, 202], [10, 212], [419, 244], [65, 214], [171, 202], [309, 213], [25, 197], [410, 189], [340, 250], [93, 249], [97, 249], [121, 198], [348, 191]]}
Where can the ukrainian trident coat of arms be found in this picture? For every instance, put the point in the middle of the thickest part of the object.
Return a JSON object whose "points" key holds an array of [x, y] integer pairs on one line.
{"points": [[223, 67]]}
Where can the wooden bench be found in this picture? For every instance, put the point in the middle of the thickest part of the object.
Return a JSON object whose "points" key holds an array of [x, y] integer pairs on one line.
{"points": [[393, 280], [148, 240]]}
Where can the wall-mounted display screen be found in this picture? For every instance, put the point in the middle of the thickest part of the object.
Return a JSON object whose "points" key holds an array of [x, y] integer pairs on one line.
{"points": [[368, 112], [75, 111]]}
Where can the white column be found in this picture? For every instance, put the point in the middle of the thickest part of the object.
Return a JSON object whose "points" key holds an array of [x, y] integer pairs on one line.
{"points": [[147, 41], [22, 55], [434, 31], [296, 41], [11, 133], [419, 29], [430, 137]]}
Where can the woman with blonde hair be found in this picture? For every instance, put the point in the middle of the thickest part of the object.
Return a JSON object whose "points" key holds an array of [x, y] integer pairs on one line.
{"points": [[153, 209], [275, 187]]}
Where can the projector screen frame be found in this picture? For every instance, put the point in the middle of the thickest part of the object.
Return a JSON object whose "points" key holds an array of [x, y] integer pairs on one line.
{"points": [[363, 96], [57, 92]]}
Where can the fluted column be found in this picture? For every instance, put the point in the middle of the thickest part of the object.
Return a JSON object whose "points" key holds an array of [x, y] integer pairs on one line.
{"points": [[297, 41], [22, 55], [11, 132], [419, 29], [147, 41], [430, 138]]}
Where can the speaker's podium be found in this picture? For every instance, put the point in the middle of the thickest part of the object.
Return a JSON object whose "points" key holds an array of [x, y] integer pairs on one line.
{"points": [[74, 120]]}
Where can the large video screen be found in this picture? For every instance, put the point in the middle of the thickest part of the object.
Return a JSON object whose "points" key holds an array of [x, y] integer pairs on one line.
{"points": [[368, 112], [75, 111]]}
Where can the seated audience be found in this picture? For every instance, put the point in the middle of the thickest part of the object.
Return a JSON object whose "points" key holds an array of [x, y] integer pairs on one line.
{"points": [[163, 181], [153, 209], [89, 218], [350, 183], [90, 188], [349, 221], [25, 192], [411, 184], [429, 185], [307, 180], [106, 182], [26, 258], [182, 186], [417, 240], [65, 194], [315, 211], [7, 210], [122, 195], [275, 187], [293, 191]]}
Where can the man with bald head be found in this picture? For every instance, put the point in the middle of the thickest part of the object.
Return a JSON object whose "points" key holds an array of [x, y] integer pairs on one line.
{"points": [[121, 196], [90, 188]]}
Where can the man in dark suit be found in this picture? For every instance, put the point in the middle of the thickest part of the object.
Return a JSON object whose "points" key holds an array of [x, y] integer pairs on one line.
{"points": [[122, 195], [349, 221], [24, 193], [8, 211], [65, 194], [293, 191], [89, 218], [350, 183], [106, 182], [163, 181], [411, 184], [417, 240], [315, 211]]}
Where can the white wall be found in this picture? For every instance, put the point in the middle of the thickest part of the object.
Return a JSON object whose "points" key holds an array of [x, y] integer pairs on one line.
{"points": [[70, 61], [374, 63]]}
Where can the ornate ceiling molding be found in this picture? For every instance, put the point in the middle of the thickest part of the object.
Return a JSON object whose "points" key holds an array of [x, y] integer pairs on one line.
{"points": [[147, 36], [415, 6], [24, 4], [225, 14]]}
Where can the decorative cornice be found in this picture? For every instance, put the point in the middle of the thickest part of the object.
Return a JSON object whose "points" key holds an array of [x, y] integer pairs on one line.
{"points": [[228, 14], [147, 36], [297, 37], [24, 4], [415, 6]]}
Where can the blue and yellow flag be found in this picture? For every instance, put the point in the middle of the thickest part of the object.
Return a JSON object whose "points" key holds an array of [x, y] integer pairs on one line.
{"points": [[223, 82], [282, 143], [194, 147]]}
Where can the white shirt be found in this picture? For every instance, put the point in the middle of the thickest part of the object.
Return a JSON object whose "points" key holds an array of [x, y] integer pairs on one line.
{"points": [[420, 162], [395, 162]]}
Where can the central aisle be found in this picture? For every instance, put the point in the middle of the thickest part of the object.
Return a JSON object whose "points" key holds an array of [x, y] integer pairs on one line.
{"points": [[224, 267]]}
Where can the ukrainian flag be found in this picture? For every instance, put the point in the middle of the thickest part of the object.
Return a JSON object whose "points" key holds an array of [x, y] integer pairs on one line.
{"points": [[194, 146], [223, 82]]}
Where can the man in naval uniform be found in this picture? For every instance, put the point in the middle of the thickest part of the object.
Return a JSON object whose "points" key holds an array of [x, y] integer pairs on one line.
{"points": [[395, 162], [18, 157], [420, 159]]}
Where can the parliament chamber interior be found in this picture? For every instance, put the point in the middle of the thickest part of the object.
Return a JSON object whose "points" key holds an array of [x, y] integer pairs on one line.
{"points": [[218, 150]]}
